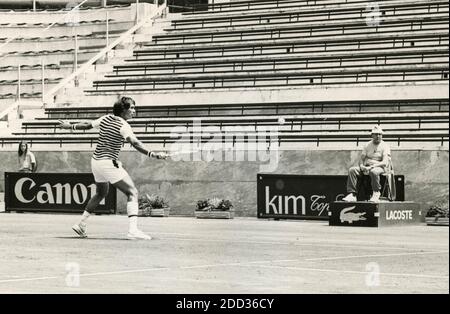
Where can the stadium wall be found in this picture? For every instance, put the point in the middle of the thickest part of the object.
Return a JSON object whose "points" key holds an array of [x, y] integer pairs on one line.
{"points": [[183, 183]]}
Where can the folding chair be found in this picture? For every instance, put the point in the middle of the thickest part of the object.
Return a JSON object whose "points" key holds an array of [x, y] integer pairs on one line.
{"points": [[389, 191]]}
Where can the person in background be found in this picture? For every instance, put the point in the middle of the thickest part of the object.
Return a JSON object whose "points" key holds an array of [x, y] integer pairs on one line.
{"points": [[27, 161], [374, 159]]}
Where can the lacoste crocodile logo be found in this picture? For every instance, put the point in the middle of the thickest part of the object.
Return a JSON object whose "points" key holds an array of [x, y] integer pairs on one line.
{"points": [[351, 217]]}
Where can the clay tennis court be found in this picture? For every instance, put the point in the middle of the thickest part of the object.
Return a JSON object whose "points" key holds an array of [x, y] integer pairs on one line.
{"points": [[40, 254]]}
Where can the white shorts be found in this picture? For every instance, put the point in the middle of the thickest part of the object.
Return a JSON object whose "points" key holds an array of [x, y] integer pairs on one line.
{"points": [[107, 170]]}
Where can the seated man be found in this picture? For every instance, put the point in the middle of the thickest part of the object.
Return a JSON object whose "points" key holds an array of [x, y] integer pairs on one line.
{"points": [[374, 159]]}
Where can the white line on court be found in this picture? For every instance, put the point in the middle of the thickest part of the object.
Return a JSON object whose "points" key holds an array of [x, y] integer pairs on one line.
{"points": [[209, 265], [238, 264], [88, 274], [276, 261], [373, 255], [124, 271], [350, 271], [29, 279]]}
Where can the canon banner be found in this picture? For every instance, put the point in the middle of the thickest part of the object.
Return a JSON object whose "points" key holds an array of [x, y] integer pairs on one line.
{"points": [[54, 192], [303, 196]]}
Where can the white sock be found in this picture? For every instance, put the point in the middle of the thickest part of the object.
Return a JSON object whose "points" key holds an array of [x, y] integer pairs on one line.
{"points": [[133, 223], [84, 217], [132, 211]]}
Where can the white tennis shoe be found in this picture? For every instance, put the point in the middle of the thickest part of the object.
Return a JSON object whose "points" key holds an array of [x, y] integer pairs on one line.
{"points": [[138, 234], [349, 198], [375, 197], [80, 229]]}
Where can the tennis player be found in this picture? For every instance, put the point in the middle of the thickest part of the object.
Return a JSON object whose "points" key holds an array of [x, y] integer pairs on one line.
{"points": [[106, 166]]}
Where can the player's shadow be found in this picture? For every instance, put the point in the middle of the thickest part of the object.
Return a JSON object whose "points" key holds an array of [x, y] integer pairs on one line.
{"points": [[93, 238], [98, 238]]}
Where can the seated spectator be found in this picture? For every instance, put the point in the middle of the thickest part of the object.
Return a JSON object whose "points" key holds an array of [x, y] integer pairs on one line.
{"points": [[27, 161], [373, 162]]}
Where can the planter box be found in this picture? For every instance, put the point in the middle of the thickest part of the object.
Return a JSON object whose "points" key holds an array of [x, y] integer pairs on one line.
{"points": [[229, 214], [154, 212], [160, 212], [436, 221]]}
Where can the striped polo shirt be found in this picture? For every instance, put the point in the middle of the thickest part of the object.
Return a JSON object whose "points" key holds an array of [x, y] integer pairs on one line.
{"points": [[113, 131]]}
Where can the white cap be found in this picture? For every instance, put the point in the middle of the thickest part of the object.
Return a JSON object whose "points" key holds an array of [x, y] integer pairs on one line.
{"points": [[377, 130]]}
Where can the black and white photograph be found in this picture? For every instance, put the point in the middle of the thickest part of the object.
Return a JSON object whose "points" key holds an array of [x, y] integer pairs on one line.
{"points": [[224, 154]]}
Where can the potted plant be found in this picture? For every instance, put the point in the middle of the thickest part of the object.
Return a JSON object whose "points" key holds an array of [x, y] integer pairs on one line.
{"points": [[214, 208], [154, 206], [437, 216]]}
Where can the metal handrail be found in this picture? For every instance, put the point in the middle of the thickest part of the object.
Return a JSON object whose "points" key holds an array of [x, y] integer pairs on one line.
{"points": [[102, 53], [46, 29], [46, 97], [14, 106]]}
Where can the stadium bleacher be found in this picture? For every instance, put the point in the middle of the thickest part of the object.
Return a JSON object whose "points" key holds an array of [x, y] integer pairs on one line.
{"points": [[44, 43], [404, 121], [228, 109], [258, 45], [307, 46]]}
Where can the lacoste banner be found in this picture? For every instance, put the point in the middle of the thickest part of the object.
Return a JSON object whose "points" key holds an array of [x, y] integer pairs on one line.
{"points": [[303, 196], [366, 214], [354, 214], [54, 192]]}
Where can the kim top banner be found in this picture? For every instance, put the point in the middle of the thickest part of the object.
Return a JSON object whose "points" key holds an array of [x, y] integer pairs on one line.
{"points": [[303, 196], [54, 192]]}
